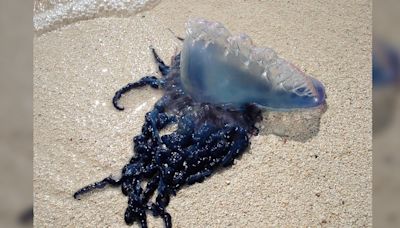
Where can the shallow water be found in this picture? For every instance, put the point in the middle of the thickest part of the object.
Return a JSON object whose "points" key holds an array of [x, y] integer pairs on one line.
{"points": [[53, 14]]}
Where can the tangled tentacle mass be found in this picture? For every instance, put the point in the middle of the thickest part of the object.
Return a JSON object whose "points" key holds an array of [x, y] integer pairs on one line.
{"points": [[208, 137]]}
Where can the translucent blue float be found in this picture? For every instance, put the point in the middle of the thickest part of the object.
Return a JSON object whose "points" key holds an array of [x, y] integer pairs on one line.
{"points": [[219, 68]]}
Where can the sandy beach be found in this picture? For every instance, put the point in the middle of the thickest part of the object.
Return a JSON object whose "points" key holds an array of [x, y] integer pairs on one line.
{"points": [[79, 138]]}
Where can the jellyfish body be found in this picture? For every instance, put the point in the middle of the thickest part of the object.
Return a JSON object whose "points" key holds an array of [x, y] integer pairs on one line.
{"points": [[214, 92], [219, 68]]}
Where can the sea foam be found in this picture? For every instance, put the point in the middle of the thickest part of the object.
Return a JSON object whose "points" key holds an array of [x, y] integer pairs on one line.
{"points": [[53, 14]]}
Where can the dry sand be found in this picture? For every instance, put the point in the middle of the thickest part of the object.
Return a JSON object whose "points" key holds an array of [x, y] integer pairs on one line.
{"points": [[79, 138]]}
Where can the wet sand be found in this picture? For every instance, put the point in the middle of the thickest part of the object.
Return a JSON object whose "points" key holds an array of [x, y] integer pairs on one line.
{"points": [[79, 138]]}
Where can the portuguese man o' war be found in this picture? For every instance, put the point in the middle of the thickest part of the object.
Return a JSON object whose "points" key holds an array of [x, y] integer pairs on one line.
{"points": [[385, 82], [219, 92]]}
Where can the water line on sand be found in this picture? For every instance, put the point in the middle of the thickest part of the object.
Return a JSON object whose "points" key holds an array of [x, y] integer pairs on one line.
{"points": [[50, 15]]}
